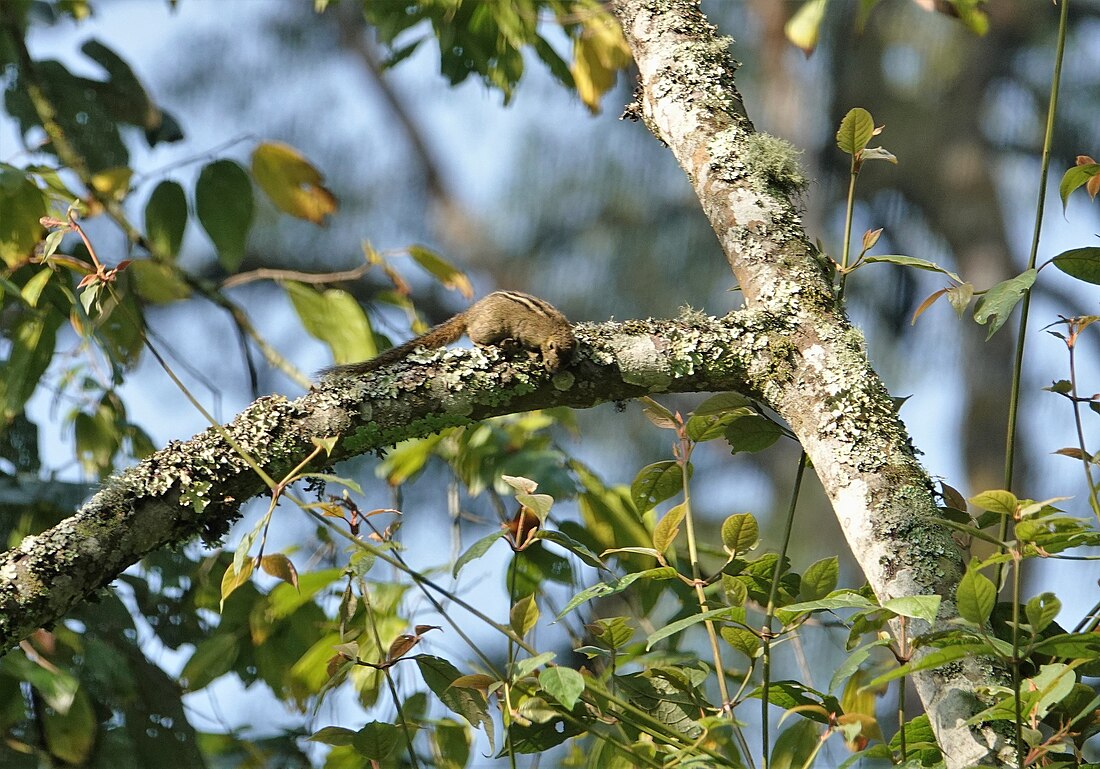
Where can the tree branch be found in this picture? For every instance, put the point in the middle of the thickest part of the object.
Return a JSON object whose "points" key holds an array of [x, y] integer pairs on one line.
{"points": [[833, 400], [197, 487]]}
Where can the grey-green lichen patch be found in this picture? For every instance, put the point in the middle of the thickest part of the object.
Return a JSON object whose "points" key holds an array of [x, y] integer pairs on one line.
{"points": [[776, 161], [642, 360]]}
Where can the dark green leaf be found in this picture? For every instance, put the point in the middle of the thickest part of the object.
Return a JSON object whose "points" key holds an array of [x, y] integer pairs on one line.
{"points": [[655, 483], [752, 433], [22, 204], [213, 657], [1080, 263], [223, 203], [166, 219], [573, 546], [476, 550], [602, 589], [1041, 611], [471, 704], [376, 740]]}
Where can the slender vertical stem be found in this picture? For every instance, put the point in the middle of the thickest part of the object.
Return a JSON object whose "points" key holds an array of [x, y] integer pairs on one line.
{"points": [[766, 631], [1021, 747], [696, 574], [1025, 305]]}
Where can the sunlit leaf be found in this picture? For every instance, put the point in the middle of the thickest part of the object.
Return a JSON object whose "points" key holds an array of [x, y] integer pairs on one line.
{"points": [[334, 317], [446, 273], [292, 183], [563, 684], [664, 533], [599, 52], [740, 533], [803, 27], [856, 129]]}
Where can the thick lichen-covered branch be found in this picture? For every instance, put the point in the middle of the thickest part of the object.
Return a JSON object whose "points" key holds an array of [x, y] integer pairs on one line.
{"points": [[827, 391], [196, 487]]}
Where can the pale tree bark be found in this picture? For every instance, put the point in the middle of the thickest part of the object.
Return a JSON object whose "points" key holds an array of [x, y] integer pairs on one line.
{"points": [[821, 381]]}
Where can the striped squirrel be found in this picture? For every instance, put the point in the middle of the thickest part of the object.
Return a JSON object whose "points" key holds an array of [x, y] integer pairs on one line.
{"points": [[500, 318]]}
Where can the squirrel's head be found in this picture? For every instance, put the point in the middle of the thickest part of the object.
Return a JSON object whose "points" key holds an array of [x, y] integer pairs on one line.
{"points": [[558, 351]]}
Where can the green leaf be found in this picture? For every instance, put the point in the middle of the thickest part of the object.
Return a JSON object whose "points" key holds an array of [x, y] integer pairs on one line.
{"points": [[997, 303], [446, 273], [524, 615], [452, 741], [720, 404], [22, 204], [912, 261], [335, 318], [166, 219], [803, 27], [32, 339], [71, 736], [213, 658], [1041, 611], [795, 746], [744, 641], [1071, 646], [842, 599], [158, 282], [855, 658], [740, 533], [975, 596], [573, 546], [675, 627], [1073, 178], [752, 433], [820, 579], [664, 533], [332, 735], [1080, 263], [602, 589], [528, 665], [471, 704], [376, 740], [924, 607], [655, 483], [563, 684], [292, 182], [476, 550], [223, 203], [856, 130], [996, 501], [932, 658]]}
